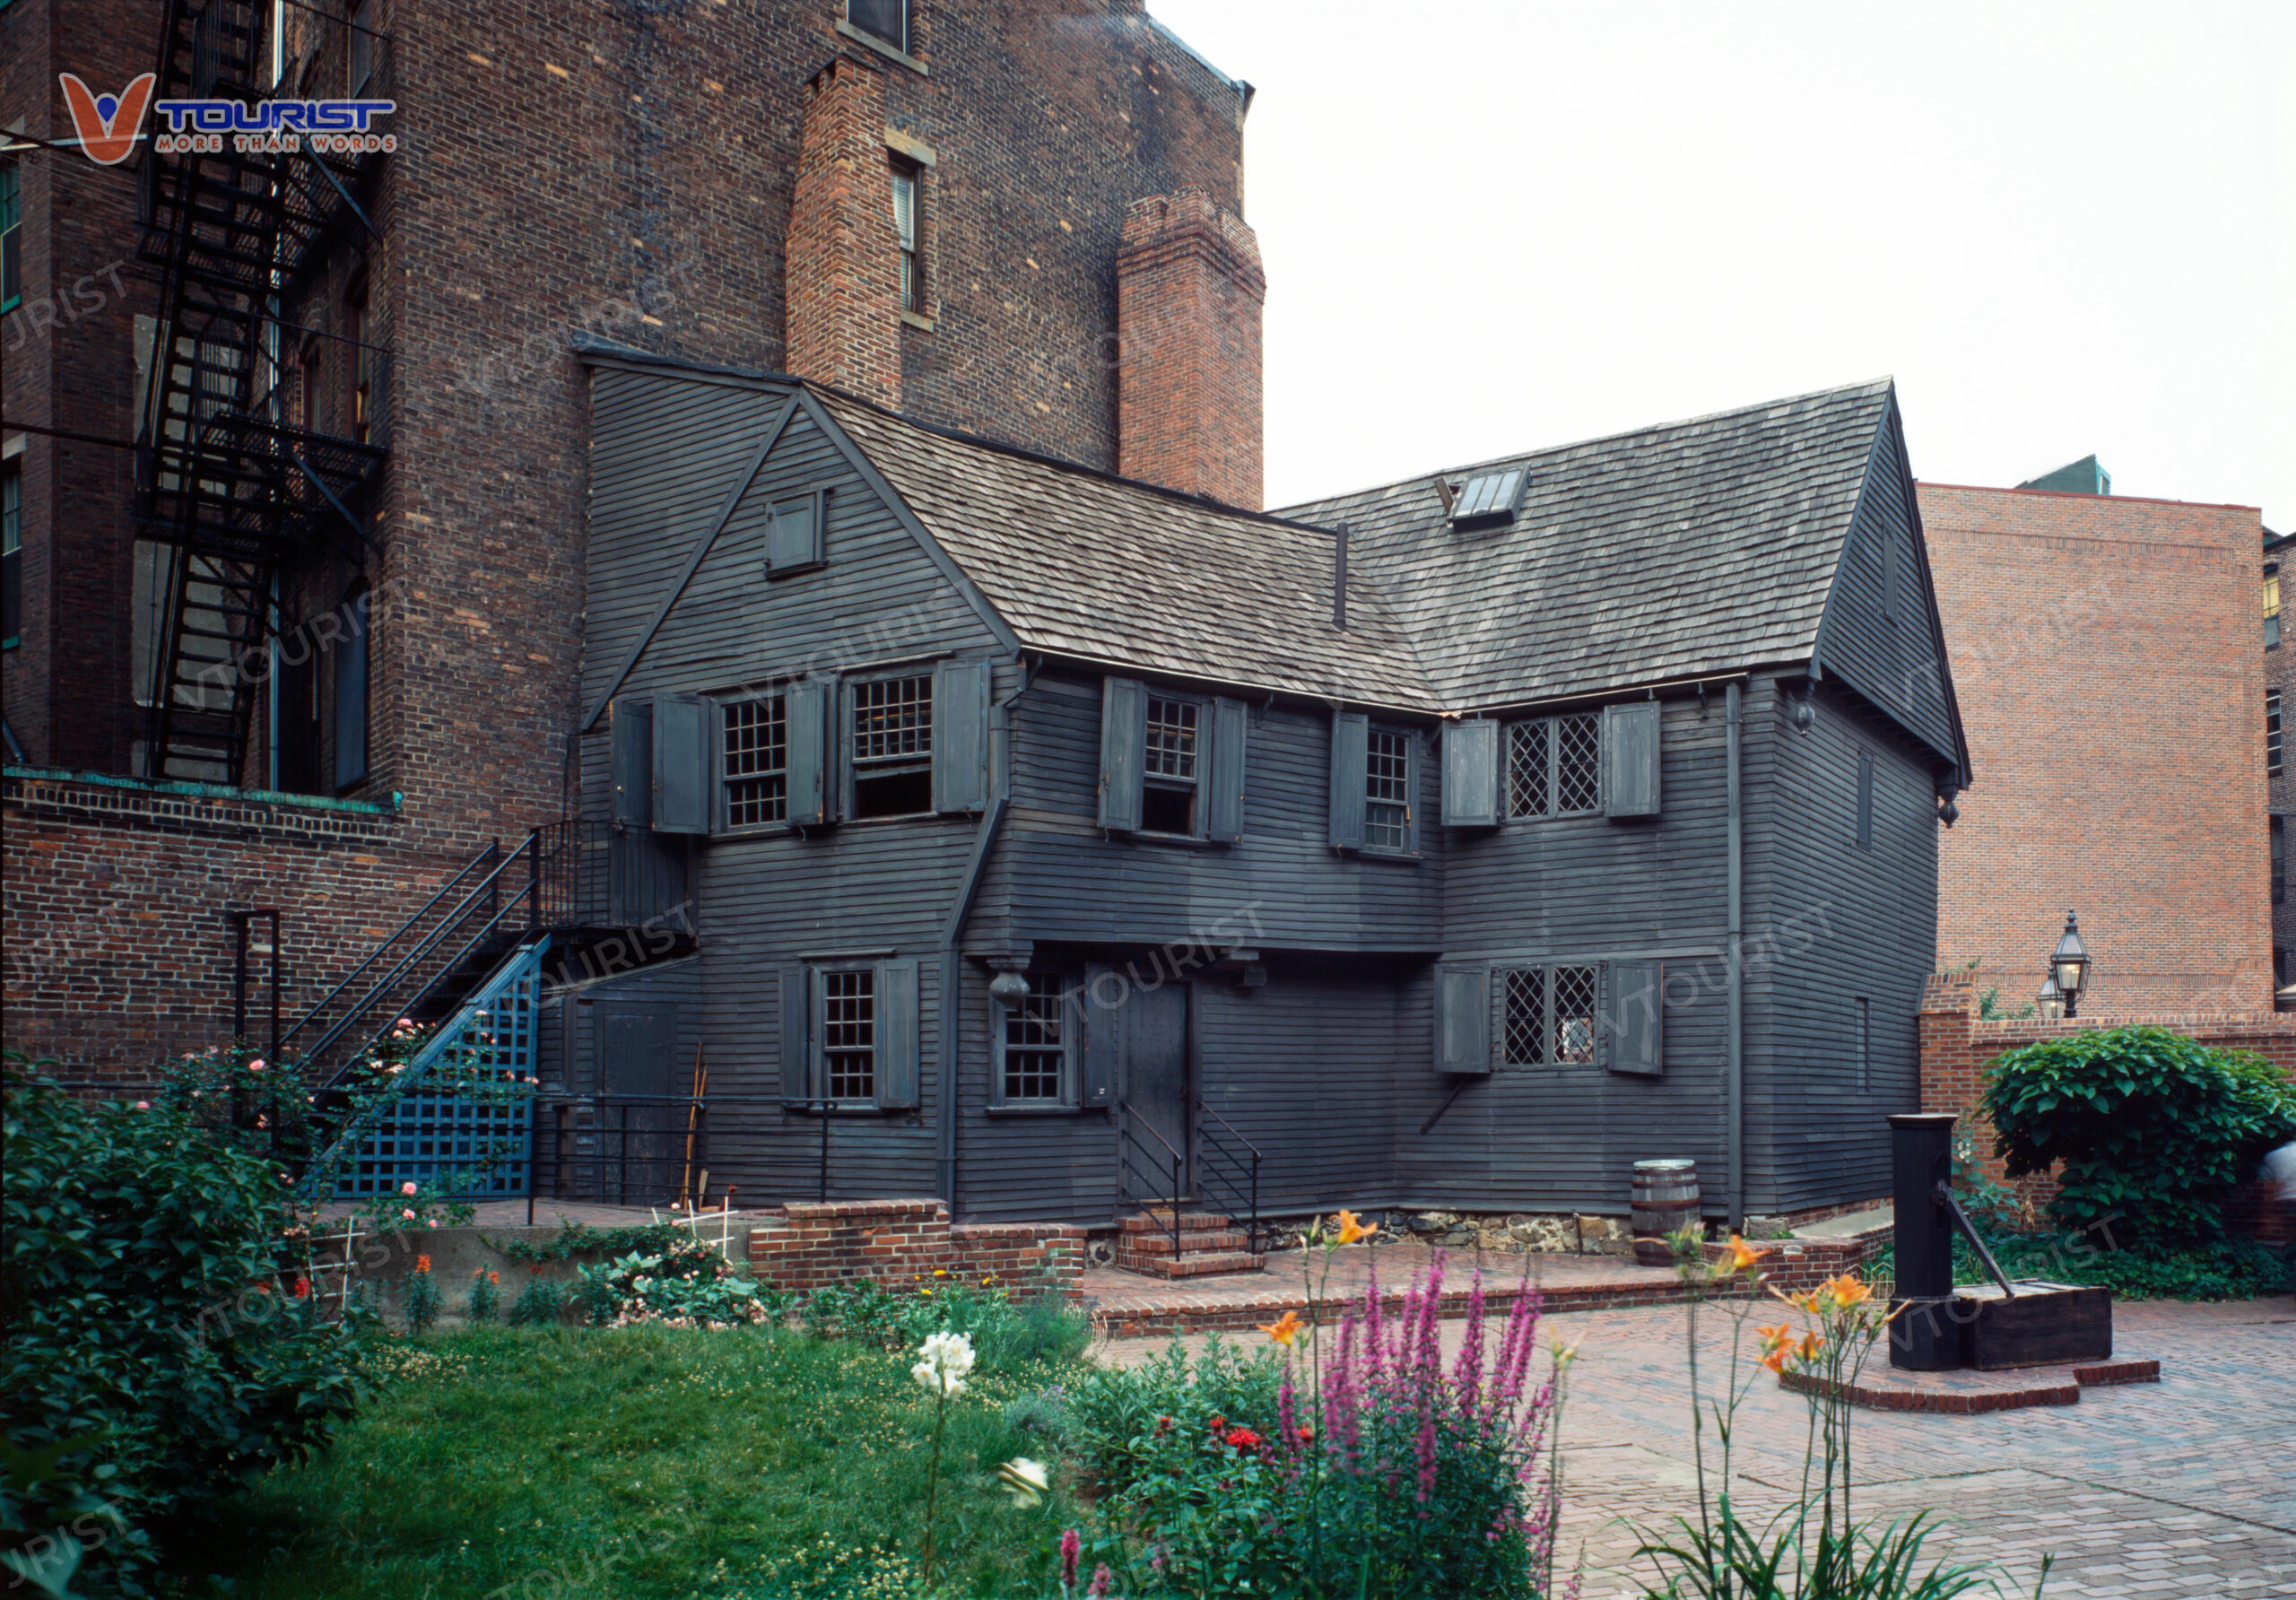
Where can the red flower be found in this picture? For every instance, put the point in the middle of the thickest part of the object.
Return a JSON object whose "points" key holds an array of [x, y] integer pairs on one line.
{"points": [[1307, 1434], [303, 1288], [1219, 1424], [1243, 1439]]}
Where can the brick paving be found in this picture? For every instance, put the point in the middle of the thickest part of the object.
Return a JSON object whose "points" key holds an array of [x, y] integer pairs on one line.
{"points": [[2183, 1490]]}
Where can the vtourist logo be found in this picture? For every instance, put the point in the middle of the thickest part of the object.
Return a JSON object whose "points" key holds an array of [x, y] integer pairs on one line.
{"points": [[108, 124]]}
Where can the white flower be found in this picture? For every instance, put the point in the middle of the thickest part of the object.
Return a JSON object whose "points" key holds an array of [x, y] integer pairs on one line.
{"points": [[944, 1360], [1025, 1480]]}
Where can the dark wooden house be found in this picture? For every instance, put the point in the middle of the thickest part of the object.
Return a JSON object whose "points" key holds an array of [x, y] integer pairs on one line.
{"points": [[1455, 843]]}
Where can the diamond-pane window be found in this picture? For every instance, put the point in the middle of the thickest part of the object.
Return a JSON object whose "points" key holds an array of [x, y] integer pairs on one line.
{"points": [[1387, 791], [757, 761], [1577, 763], [1574, 1014], [1525, 1026], [1035, 1049], [849, 1034], [1527, 775]]}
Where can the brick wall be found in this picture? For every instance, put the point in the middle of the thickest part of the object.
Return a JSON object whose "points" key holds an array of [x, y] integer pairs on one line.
{"points": [[2105, 653], [1957, 1046], [1189, 294], [843, 279], [810, 1246]]}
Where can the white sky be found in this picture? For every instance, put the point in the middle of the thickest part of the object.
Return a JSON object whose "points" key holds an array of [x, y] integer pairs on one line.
{"points": [[1487, 227]]}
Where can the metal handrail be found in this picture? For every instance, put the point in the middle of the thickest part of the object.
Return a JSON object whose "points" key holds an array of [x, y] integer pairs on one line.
{"points": [[494, 923], [351, 977], [1128, 1140], [1211, 1147]]}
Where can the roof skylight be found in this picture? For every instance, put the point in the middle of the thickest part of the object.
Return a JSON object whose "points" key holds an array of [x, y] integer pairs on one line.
{"points": [[1489, 497]]}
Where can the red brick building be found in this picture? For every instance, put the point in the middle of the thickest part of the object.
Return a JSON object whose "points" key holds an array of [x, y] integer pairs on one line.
{"points": [[936, 206], [2279, 685], [2104, 649]]}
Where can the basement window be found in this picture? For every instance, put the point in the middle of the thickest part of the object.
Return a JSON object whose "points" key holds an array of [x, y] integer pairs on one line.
{"points": [[1489, 497], [882, 19], [893, 746], [1169, 768], [754, 762]]}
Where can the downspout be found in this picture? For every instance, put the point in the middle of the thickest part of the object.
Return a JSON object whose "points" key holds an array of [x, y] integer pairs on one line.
{"points": [[1735, 1027]]}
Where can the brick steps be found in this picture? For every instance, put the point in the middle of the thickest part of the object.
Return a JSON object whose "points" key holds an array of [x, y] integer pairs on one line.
{"points": [[1204, 1244], [1190, 1267]]}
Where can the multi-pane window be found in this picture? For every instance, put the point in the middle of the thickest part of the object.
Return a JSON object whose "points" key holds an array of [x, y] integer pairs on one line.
{"points": [[12, 554], [893, 746], [1169, 767], [1575, 993], [2272, 731], [358, 48], [2272, 611], [1549, 1014], [12, 237], [756, 762], [849, 1035], [1864, 1047], [1387, 790], [906, 186], [1035, 1043], [1554, 766], [1525, 1026], [884, 19]]}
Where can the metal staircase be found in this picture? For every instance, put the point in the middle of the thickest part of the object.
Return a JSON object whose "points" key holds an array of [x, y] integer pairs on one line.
{"points": [[237, 477]]}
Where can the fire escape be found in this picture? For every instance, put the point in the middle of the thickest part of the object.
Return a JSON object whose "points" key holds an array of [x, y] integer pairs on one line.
{"points": [[259, 439]]}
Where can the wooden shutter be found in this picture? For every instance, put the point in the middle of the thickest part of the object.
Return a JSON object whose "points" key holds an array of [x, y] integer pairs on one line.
{"points": [[805, 709], [1102, 1042], [1864, 799], [1462, 1019], [1471, 775], [1630, 760], [681, 764], [633, 762], [1224, 818], [793, 535], [961, 735], [797, 1008], [1350, 733], [1124, 711], [897, 1032], [1636, 1010], [1073, 1034]]}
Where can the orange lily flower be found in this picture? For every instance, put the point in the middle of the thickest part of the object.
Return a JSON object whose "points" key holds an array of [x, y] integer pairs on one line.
{"points": [[1285, 1329], [1776, 1337], [1848, 1290], [1741, 1255], [1775, 1361], [1810, 1346], [1351, 1229]]}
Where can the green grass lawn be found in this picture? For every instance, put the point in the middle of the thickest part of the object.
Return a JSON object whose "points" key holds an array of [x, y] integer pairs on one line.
{"points": [[645, 1461]]}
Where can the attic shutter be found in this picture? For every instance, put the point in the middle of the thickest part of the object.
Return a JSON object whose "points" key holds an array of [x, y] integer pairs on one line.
{"points": [[1634, 1017], [961, 735], [681, 764], [805, 716], [1471, 775], [1101, 1041], [1350, 733], [793, 535], [633, 762], [897, 1029], [1224, 822], [796, 1005], [1630, 760], [1462, 1019], [1124, 709]]}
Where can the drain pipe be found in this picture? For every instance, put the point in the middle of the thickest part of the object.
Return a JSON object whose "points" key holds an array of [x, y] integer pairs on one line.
{"points": [[1736, 1026]]}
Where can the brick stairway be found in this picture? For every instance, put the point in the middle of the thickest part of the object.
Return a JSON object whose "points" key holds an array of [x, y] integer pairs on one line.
{"points": [[1208, 1243]]}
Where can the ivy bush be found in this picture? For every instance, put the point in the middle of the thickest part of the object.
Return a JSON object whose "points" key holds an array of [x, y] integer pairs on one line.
{"points": [[161, 1345], [2155, 1132]]}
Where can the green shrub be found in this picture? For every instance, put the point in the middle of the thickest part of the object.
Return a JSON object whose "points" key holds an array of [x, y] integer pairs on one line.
{"points": [[542, 1303], [161, 1345], [485, 1303], [1120, 1417], [1010, 1331], [687, 1285], [419, 1298], [2155, 1131]]}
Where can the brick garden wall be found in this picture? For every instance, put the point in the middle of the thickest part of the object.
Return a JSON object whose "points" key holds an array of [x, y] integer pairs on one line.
{"points": [[810, 1246]]}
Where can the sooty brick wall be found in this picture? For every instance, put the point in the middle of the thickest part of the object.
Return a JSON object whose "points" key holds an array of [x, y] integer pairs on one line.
{"points": [[2105, 652]]}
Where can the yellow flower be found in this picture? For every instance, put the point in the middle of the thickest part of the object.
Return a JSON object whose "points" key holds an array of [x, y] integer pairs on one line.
{"points": [[1285, 1329], [940, 1272], [1564, 1354], [1351, 1230]]}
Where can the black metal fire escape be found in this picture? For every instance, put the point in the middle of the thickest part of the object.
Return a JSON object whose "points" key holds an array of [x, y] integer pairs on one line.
{"points": [[241, 468]]}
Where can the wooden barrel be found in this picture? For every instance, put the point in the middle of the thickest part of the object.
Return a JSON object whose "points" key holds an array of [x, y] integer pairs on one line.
{"points": [[1665, 1200]]}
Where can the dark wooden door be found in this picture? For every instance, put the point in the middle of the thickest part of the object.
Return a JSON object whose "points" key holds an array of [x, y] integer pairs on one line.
{"points": [[641, 1145], [1155, 1084]]}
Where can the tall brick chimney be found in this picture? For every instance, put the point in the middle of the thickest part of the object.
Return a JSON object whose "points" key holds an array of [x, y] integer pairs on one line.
{"points": [[841, 278], [1188, 290]]}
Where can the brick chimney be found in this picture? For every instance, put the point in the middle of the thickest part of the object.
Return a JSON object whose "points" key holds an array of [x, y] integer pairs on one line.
{"points": [[841, 277], [1188, 288]]}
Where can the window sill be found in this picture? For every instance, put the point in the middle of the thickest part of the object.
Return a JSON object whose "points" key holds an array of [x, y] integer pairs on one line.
{"points": [[1554, 816], [1040, 1110], [755, 830], [1176, 841], [1380, 853], [917, 319], [854, 1108], [883, 47]]}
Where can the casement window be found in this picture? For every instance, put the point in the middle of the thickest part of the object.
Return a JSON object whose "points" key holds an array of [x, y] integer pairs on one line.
{"points": [[891, 728], [849, 1034], [753, 761], [1865, 1021], [12, 237], [2272, 731], [1864, 799], [349, 661], [1554, 766], [1171, 765], [909, 189], [2272, 608], [11, 555], [881, 19], [1036, 1037], [1559, 1014]]}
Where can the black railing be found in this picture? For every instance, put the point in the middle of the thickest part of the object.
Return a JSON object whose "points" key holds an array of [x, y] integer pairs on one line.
{"points": [[1227, 1170], [1154, 1178], [626, 1149]]}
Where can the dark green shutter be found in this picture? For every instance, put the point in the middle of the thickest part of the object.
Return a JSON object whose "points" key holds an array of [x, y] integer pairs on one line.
{"points": [[633, 762], [897, 1032], [961, 735], [1102, 1042], [1471, 775], [793, 535], [1630, 760], [681, 764], [1463, 1019], [1351, 734], [1637, 1007], [796, 1007], [1124, 711], [1224, 819], [805, 712]]}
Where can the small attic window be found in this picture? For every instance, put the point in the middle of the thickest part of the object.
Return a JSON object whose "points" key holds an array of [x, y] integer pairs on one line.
{"points": [[1488, 496]]}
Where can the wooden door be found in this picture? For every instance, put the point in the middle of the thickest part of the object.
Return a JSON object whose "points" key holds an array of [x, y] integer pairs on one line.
{"points": [[1155, 1084], [640, 1145]]}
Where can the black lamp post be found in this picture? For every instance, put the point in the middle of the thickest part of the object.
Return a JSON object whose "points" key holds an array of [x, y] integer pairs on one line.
{"points": [[2068, 965]]}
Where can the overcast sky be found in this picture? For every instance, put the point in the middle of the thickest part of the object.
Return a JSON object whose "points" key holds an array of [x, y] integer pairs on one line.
{"points": [[2063, 228]]}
